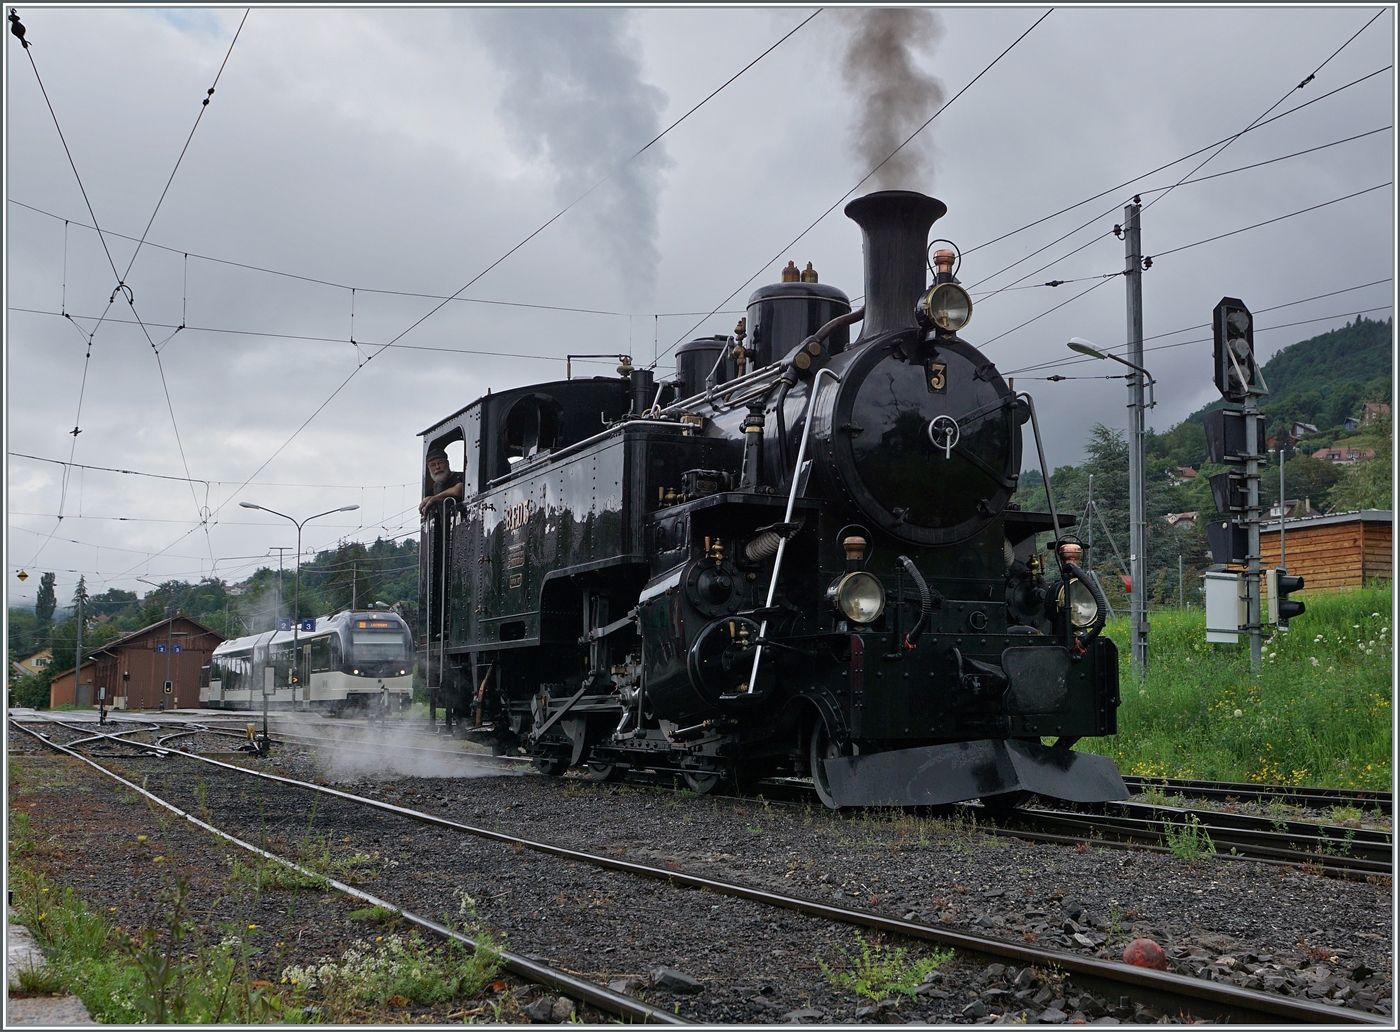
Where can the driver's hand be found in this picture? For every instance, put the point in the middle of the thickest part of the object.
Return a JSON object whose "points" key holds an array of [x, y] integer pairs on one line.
{"points": [[426, 504]]}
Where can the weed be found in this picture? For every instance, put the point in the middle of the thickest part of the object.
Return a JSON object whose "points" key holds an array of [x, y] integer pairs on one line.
{"points": [[42, 980], [268, 875], [398, 965], [376, 915], [201, 797], [881, 971], [1188, 841], [1342, 814]]}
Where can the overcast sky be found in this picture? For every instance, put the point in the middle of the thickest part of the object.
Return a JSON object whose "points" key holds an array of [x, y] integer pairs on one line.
{"points": [[394, 150]]}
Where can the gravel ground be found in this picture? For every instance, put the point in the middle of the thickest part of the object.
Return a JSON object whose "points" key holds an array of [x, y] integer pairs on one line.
{"points": [[1232, 921]]}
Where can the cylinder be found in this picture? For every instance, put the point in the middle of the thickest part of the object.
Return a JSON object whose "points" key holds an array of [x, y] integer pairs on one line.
{"points": [[895, 225], [783, 315]]}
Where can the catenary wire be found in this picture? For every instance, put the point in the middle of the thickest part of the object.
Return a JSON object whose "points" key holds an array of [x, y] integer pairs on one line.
{"points": [[1202, 326], [1183, 247], [188, 140], [1176, 161], [162, 476], [437, 308], [1213, 155], [1221, 144]]}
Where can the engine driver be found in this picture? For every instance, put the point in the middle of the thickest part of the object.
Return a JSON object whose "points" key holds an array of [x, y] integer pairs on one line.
{"points": [[446, 484]]}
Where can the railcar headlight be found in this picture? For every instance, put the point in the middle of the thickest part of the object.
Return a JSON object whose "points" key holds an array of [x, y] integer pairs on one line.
{"points": [[858, 596], [948, 306], [1083, 610]]}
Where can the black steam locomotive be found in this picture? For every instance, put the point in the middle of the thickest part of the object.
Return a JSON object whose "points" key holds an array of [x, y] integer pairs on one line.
{"points": [[798, 556]]}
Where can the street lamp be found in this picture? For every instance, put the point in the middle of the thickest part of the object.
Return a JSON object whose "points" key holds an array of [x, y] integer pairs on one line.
{"points": [[296, 603], [1137, 493]]}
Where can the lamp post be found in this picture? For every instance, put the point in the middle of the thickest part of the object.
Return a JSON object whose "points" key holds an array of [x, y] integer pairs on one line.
{"points": [[1137, 493], [296, 603]]}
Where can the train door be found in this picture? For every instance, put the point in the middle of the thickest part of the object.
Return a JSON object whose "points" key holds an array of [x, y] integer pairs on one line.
{"points": [[306, 672], [262, 666]]}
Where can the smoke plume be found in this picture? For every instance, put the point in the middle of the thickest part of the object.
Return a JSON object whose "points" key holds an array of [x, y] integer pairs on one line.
{"points": [[880, 65], [573, 95]]}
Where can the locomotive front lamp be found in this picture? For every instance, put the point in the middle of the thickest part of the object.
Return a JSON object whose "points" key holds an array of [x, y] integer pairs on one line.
{"points": [[948, 306], [859, 597], [1083, 610]]}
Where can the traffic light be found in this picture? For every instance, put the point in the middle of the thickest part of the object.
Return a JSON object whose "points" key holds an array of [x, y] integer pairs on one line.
{"points": [[1235, 369], [1281, 607]]}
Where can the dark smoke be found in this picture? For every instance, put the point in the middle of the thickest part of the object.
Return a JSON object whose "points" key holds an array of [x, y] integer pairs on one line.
{"points": [[881, 66], [574, 96]]}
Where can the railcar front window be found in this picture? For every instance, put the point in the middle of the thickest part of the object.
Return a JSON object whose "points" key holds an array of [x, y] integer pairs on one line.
{"points": [[382, 646]]}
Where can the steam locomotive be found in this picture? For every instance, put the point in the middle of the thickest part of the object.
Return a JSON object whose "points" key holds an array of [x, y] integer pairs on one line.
{"points": [[797, 556]]}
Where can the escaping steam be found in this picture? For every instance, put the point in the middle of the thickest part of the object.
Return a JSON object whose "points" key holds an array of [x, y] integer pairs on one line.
{"points": [[881, 66], [573, 95]]}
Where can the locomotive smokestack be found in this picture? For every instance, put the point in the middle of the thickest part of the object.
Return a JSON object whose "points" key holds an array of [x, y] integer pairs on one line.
{"points": [[895, 224]]}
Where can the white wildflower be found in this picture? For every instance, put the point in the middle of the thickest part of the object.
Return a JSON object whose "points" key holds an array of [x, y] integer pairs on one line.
{"points": [[1239, 713], [1314, 661]]}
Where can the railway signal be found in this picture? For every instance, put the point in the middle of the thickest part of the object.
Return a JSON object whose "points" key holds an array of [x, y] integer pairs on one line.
{"points": [[1235, 436], [1236, 371]]}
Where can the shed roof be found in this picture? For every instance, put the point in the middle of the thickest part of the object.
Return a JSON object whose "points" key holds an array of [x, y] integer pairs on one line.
{"points": [[1359, 516], [128, 638]]}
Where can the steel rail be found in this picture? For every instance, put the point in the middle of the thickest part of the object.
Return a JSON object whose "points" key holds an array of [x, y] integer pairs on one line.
{"points": [[541, 974], [1244, 790], [1210, 1000], [1249, 843]]}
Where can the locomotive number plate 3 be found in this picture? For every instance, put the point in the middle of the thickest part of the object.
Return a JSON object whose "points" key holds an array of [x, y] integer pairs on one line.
{"points": [[936, 375], [515, 557]]}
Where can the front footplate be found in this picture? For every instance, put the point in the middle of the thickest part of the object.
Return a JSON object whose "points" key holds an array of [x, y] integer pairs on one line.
{"points": [[935, 775]]}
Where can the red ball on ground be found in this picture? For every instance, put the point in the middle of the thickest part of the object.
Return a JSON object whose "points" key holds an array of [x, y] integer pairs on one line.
{"points": [[1145, 953]]}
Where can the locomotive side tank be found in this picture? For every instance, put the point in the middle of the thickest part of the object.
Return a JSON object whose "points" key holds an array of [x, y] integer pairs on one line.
{"points": [[802, 559]]}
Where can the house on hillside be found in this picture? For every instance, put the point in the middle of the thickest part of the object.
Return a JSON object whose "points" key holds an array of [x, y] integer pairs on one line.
{"points": [[33, 663], [1182, 475], [1301, 429], [1344, 455], [1372, 411], [1175, 518], [1294, 509]]}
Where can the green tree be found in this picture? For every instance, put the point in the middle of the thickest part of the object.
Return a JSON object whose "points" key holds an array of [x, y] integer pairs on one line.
{"points": [[46, 602]]}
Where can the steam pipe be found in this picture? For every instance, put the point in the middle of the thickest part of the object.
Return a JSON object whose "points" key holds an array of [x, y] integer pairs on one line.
{"points": [[787, 518]]}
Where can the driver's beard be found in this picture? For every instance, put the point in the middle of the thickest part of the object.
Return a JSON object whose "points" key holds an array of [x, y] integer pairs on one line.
{"points": [[440, 478]]}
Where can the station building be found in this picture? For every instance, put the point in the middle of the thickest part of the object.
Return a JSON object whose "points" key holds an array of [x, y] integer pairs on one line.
{"points": [[135, 669]]}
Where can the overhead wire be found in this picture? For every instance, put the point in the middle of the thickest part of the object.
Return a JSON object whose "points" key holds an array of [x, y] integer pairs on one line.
{"points": [[360, 288], [853, 189], [163, 476], [1175, 161], [1212, 156], [437, 308]]}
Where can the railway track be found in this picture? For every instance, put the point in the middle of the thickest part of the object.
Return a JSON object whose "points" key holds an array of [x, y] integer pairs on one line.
{"points": [[606, 1000], [1172, 993], [1228, 791], [1332, 850]]}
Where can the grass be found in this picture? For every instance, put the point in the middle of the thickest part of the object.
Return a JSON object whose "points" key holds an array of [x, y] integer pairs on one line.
{"points": [[1318, 713], [1187, 841], [881, 971]]}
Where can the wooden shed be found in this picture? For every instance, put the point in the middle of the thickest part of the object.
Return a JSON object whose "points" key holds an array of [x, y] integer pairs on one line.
{"points": [[1331, 553], [175, 650], [61, 691]]}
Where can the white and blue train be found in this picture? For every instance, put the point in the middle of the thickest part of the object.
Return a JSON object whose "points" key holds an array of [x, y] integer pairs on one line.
{"points": [[346, 661]]}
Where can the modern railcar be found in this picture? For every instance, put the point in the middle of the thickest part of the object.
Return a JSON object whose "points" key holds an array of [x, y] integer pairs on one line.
{"points": [[346, 661]]}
